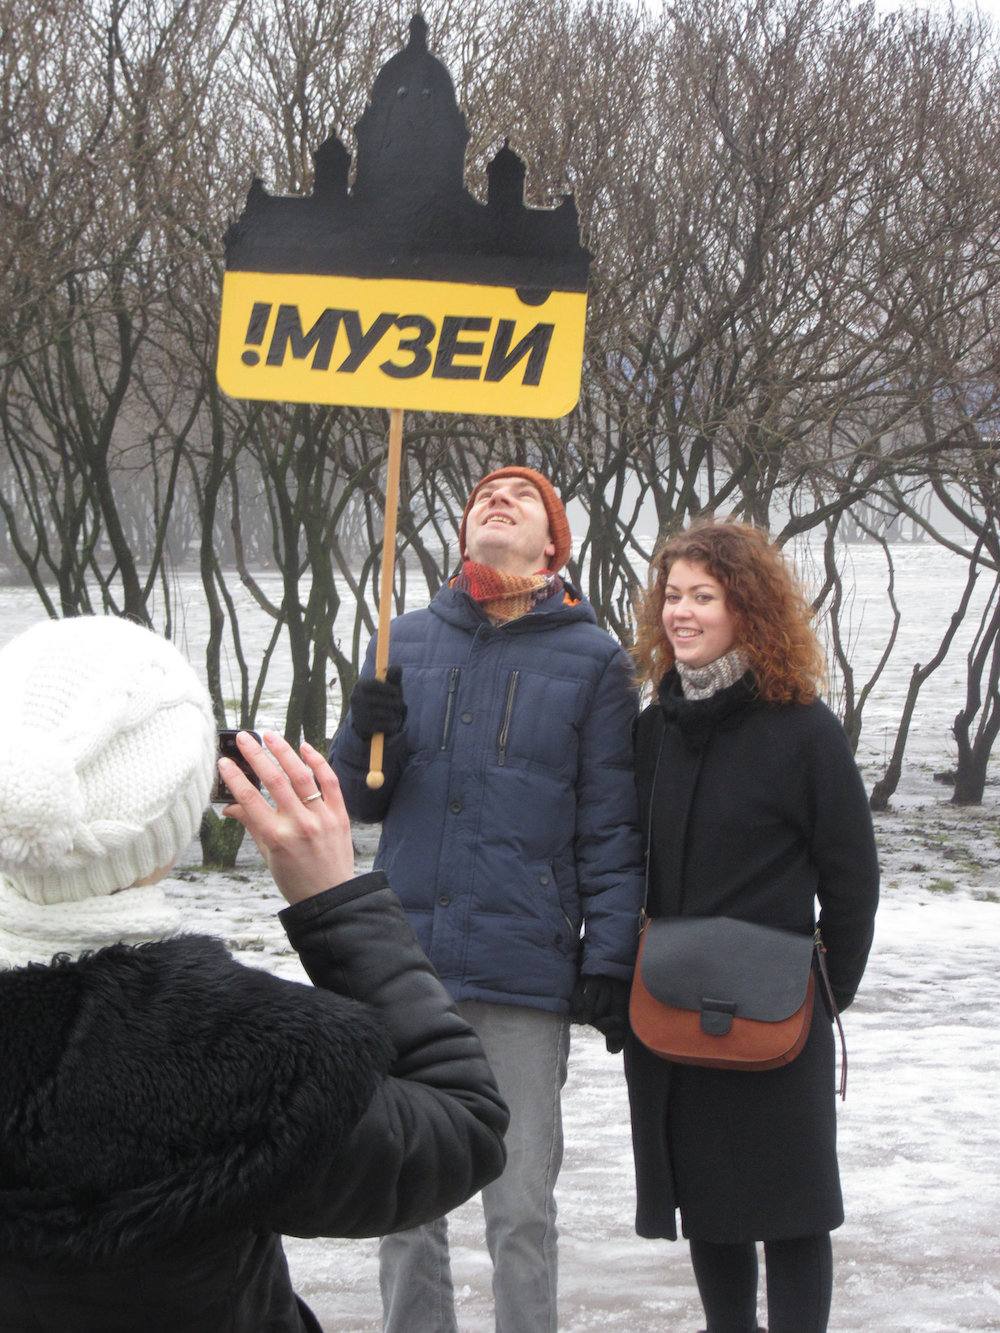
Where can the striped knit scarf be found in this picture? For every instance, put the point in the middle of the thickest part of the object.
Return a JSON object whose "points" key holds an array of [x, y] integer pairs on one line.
{"points": [[702, 682], [505, 597]]}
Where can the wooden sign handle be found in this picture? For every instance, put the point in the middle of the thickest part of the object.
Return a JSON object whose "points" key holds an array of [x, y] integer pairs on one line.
{"points": [[375, 776]]}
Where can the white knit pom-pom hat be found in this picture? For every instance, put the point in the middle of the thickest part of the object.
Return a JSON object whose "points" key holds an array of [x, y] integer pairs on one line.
{"points": [[107, 752]]}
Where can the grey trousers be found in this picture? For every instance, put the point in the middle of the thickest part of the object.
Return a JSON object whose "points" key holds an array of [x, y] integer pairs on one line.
{"points": [[528, 1050]]}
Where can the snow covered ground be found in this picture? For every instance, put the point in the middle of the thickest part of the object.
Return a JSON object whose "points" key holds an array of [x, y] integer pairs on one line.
{"points": [[919, 1132]]}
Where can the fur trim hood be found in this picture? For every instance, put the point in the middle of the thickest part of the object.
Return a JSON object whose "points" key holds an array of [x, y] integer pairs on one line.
{"points": [[151, 1091]]}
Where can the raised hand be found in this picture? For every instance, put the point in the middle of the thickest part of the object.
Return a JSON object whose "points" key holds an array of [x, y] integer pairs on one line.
{"points": [[305, 837]]}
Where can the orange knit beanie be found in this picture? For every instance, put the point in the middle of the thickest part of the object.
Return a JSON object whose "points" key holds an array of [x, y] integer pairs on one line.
{"points": [[558, 522]]}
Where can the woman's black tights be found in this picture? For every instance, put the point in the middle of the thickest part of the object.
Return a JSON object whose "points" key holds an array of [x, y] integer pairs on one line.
{"points": [[799, 1284]]}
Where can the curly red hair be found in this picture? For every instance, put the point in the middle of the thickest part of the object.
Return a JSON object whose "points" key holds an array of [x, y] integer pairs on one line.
{"points": [[771, 612]]}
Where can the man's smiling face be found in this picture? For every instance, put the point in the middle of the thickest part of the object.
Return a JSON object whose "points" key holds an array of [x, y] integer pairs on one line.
{"points": [[508, 527]]}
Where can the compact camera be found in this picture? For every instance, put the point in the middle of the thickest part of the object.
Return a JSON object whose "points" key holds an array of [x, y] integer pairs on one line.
{"points": [[227, 749]]}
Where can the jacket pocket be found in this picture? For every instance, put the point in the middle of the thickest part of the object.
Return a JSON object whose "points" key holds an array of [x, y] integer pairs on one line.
{"points": [[567, 897]]}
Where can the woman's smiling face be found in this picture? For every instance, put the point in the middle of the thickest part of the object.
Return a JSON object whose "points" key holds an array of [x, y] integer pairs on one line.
{"points": [[698, 624]]}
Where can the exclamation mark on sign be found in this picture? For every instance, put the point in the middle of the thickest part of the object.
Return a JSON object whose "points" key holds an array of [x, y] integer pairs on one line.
{"points": [[255, 331]]}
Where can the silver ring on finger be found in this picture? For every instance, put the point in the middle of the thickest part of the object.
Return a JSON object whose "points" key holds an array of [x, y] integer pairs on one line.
{"points": [[316, 796]]}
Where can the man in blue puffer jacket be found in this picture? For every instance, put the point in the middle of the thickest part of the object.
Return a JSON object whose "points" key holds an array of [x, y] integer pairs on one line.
{"points": [[509, 831]]}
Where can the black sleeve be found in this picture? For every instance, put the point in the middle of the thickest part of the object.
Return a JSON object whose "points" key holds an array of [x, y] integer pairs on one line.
{"points": [[844, 852], [433, 1133]]}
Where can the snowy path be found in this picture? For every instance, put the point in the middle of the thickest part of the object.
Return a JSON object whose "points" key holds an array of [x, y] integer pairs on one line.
{"points": [[920, 1159]]}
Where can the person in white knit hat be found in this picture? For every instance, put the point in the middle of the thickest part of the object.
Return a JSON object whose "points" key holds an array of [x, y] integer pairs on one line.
{"points": [[168, 1113], [105, 767]]}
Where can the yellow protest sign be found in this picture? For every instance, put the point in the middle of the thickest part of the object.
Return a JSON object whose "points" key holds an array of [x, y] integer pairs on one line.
{"points": [[438, 346], [400, 288]]}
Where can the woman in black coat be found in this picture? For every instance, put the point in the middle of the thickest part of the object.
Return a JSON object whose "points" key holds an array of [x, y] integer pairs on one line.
{"points": [[753, 809]]}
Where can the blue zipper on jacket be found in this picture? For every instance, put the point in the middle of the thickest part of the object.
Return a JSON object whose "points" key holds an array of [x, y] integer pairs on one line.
{"points": [[505, 725], [449, 707]]}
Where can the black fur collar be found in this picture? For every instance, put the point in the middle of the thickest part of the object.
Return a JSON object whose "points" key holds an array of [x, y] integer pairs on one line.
{"points": [[146, 1089]]}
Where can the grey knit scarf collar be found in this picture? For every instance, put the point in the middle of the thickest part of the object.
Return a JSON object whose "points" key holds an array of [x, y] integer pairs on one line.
{"points": [[704, 681]]}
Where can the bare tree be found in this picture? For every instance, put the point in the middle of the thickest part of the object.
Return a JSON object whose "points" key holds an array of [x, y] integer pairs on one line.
{"points": [[791, 204], [88, 179]]}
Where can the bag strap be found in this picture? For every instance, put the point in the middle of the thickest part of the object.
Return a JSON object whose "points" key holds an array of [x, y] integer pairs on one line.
{"points": [[649, 830], [673, 872], [831, 1006]]}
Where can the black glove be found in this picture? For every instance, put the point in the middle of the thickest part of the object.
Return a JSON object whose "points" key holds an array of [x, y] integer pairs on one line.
{"points": [[377, 705], [603, 1003]]}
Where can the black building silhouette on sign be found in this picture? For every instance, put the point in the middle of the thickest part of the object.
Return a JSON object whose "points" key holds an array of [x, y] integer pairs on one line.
{"points": [[409, 214]]}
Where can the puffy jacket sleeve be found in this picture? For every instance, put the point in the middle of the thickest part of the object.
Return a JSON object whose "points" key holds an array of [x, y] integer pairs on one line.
{"points": [[608, 843], [433, 1133]]}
